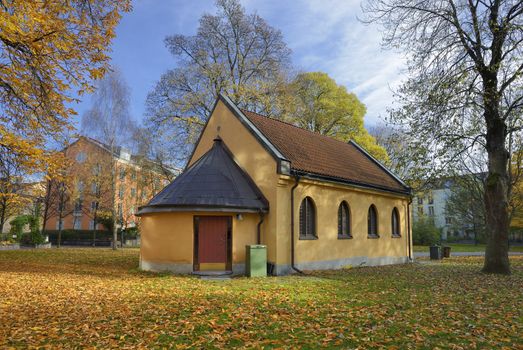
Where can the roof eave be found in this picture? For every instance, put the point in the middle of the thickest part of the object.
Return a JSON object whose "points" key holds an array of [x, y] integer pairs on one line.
{"points": [[396, 177], [336, 180], [283, 163], [197, 208]]}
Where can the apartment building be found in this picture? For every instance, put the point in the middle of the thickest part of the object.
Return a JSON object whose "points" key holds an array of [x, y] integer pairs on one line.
{"points": [[98, 179]]}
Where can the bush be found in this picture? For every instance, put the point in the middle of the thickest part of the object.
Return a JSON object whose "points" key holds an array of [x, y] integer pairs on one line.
{"points": [[18, 224], [32, 238], [425, 233], [27, 238], [131, 233]]}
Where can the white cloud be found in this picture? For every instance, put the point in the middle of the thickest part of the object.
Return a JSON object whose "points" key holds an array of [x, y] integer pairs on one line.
{"points": [[327, 36]]}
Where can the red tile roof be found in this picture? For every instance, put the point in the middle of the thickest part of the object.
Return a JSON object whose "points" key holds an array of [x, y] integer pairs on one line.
{"points": [[321, 155]]}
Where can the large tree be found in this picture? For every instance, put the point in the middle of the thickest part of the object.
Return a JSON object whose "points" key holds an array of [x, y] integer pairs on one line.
{"points": [[234, 53], [464, 89], [108, 120], [322, 106], [50, 51]]}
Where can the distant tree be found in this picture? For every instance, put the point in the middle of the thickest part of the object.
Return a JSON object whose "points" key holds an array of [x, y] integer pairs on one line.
{"points": [[11, 180], [322, 106], [424, 232], [109, 121], [63, 190], [154, 155], [234, 53], [465, 204], [516, 198], [49, 50], [465, 90], [396, 143]]}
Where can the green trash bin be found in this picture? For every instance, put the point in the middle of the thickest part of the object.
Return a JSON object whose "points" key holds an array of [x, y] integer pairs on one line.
{"points": [[256, 260]]}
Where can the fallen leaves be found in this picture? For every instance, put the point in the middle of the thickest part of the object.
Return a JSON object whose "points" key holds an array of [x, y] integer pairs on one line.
{"points": [[96, 298]]}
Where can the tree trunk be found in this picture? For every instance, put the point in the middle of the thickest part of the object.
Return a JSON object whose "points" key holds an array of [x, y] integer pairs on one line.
{"points": [[113, 193], [46, 205], [94, 225], [496, 187], [2, 220]]}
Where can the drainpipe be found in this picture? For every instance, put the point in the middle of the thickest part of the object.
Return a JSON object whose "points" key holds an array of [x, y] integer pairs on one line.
{"points": [[293, 266], [258, 228], [408, 227]]}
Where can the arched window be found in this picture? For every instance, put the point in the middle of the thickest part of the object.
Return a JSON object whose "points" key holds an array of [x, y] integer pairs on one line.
{"points": [[395, 221], [372, 221], [344, 221], [307, 219]]}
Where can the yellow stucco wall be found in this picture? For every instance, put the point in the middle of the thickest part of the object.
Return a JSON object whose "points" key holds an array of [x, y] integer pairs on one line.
{"points": [[167, 238], [327, 198]]}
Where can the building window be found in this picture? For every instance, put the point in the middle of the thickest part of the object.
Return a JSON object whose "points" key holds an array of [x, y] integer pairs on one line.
{"points": [[81, 157], [395, 221], [77, 223], [307, 219], [420, 200], [94, 206], [95, 189], [133, 192], [120, 211], [121, 192], [92, 226], [97, 169], [344, 221], [431, 199], [78, 207], [133, 175], [372, 222], [420, 211], [448, 220], [80, 186], [431, 211], [122, 174], [60, 225]]}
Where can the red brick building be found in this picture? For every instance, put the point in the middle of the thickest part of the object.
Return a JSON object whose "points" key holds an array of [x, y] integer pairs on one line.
{"points": [[99, 179]]}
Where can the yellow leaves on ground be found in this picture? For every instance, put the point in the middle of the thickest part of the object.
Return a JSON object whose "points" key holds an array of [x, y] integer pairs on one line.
{"points": [[96, 298]]}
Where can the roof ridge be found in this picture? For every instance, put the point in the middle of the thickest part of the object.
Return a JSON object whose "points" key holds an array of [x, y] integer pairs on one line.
{"points": [[297, 127]]}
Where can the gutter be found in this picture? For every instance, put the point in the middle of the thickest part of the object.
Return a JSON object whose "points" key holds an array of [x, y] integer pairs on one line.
{"points": [[355, 184], [258, 227], [408, 228], [293, 265]]}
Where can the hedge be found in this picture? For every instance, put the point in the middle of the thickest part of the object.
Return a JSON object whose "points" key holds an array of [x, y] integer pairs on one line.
{"points": [[87, 235], [79, 235]]}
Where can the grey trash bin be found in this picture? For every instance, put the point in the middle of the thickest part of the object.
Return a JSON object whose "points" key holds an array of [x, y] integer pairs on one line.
{"points": [[435, 252]]}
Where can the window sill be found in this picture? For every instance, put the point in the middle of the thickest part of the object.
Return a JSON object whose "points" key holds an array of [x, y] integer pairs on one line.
{"points": [[344, 237], [308, 238], [396, 236], [373, 236]]}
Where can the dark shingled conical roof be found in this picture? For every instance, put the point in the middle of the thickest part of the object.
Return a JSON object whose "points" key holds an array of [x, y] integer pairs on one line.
{"points": [[213, 183]]}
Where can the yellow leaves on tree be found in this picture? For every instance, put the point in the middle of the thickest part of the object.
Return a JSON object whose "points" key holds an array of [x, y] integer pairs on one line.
{"points": [[49, 50], [323, 106]]}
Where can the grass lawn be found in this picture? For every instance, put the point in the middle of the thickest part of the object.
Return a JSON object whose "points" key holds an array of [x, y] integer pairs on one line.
{"points": [[460, 247], [78, 298]]}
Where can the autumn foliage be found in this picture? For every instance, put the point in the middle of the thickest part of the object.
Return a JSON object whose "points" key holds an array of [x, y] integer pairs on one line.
{"points": [[50, 52], [95, 298]]}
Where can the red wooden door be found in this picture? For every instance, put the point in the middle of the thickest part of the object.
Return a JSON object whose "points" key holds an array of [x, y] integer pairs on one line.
{"points": [[212, 239]]}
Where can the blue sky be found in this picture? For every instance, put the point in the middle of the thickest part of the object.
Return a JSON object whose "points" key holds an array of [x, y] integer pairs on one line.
{"points": [[324, 35]]}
